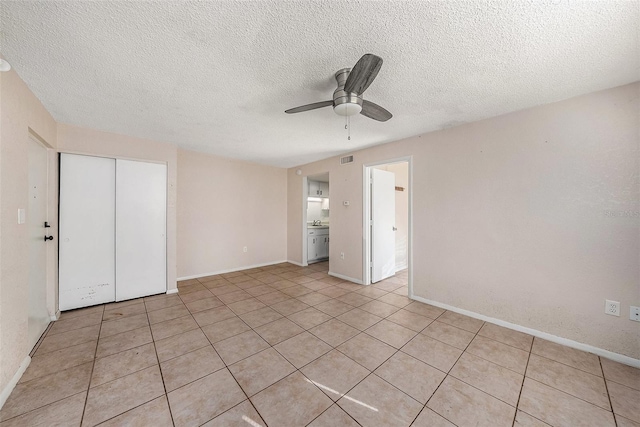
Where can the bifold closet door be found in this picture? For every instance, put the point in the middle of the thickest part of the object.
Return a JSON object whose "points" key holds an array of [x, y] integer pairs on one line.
{"points": [[87, 224], [141, 222]]}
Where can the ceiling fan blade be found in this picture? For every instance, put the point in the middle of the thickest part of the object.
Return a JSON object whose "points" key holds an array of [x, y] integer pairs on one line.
{"points": [[363, 73], [374, 111], [309, 107]]}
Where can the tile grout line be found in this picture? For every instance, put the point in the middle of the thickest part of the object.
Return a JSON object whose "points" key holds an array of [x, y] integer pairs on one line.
{"points": [[524, 376], [164, 386], [448, 373], [570, 366], [371, 372], [299, 369], [230, 373], [332, 348], [93, 365], [290, 297], [606, 387]]}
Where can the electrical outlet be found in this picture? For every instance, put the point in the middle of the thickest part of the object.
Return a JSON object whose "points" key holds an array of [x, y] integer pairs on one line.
{"points": [[341, 255], [634, 313], [244, 249], [612, 307]]}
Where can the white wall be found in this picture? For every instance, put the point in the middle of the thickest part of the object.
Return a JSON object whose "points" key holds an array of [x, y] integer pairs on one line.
{"points": [[510, 216], [225, 205]]}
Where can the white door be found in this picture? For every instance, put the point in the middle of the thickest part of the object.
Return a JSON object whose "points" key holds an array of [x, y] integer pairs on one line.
{"points": [[141, 223], [36, 216], [383, 218], [87, 224]]}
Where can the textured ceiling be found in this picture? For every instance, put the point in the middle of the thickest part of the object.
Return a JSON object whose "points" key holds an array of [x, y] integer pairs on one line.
{"points": [[217, 76]]}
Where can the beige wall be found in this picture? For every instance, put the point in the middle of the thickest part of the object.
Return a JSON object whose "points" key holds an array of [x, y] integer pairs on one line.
{"points": [[225, 205], [78, 140], [20, 114], [510, 216]]}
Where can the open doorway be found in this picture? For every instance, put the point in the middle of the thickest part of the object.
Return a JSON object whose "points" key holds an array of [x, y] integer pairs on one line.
{"points": [[316, 218], [387, 225]]}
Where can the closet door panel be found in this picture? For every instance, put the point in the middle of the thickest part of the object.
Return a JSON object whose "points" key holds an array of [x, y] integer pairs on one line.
{"points": [[87, 240], [141, 221]]}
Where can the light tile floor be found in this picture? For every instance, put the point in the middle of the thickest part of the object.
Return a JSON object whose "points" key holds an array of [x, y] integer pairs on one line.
{"points": [[291, 346]]}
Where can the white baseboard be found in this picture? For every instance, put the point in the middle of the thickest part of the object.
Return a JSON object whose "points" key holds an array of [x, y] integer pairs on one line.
{"points": [[343, 277], [6, 392], [172, 291], [56, 316], [621, 358], [230, 270], [299, 264], [401, 267]]}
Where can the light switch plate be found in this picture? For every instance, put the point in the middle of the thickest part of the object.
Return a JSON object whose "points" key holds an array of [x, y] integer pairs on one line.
{"points": [[634, 313], [22, 216]]}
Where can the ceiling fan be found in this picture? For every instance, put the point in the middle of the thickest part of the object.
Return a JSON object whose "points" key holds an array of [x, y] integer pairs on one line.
{"points": [[347, 98]]}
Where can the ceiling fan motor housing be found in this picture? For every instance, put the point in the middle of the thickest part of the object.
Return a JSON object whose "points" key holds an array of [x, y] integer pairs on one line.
{"points": [[345, 103]]}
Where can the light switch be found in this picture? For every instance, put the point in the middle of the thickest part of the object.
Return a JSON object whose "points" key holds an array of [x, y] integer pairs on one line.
{"points": [[22, 216]]}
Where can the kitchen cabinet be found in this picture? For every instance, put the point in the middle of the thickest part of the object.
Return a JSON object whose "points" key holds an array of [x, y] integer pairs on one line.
{"points": [[317, 244], [318, 189]]}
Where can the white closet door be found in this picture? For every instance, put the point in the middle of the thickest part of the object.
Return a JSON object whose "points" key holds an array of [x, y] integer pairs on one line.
{"points": [[141, 223], [87, 239]]}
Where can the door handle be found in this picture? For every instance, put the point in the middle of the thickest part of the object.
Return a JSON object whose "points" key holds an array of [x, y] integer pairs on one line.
{"points": [[395, 229], [48, 238]]}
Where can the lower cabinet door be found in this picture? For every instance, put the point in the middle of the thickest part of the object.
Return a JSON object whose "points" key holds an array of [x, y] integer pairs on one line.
{"points": [[312, 253]]}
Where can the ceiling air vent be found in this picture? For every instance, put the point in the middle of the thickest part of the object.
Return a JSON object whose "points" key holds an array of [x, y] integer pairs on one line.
{"points": [[346, 159]]}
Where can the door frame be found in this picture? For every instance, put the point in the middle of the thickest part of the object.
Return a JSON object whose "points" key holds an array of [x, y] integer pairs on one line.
{"points": [[304, 260], [366, 217], [305, 195], [51, 309]]}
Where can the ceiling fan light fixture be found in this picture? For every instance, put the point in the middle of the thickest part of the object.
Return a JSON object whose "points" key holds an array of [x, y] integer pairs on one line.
{"points": [[347, 109], [347, 98], [4, 65]]}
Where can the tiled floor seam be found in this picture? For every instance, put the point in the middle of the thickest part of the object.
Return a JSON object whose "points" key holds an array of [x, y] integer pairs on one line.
{"points": [[40, 340], [226, 366], [570, 394], [575, 397], [574, 367], [232, 376], [524, 376], [93, 365], [448, 373], [44, 406], [164, 386], [322, 391], [491, 361], [334, 403], [131, 409]]}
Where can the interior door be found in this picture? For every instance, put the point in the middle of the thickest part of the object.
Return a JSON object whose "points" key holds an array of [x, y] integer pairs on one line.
{"points": [[39, 316], [383, 217], [87, 224], [141, 223]]}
